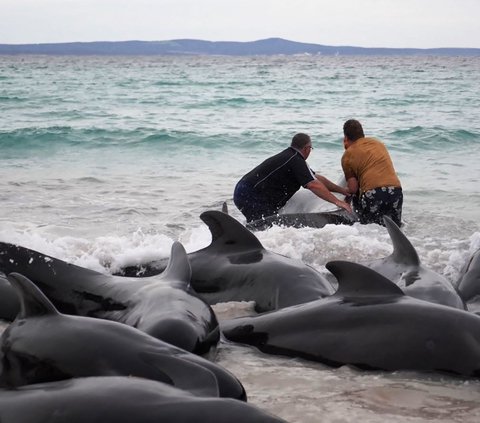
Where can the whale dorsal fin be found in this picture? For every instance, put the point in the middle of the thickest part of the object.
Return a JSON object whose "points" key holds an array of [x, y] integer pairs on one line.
{"points": [[228, 233], [178, 267], [33, 302], [356, 280], [403, 250]]}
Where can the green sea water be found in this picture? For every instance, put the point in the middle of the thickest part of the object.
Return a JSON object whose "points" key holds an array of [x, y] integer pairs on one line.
{"points": [[105, 161], [196, 124]]}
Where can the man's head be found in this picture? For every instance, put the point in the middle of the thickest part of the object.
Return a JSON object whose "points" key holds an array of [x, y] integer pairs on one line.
{"points": [[352, 131], [302, 143]]}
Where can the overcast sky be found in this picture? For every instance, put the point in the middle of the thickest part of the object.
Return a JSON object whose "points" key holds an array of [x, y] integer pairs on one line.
{"points": [[366, 23]]}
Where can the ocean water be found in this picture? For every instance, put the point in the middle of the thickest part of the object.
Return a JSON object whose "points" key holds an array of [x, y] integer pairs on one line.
{"points": [[106, 161]]}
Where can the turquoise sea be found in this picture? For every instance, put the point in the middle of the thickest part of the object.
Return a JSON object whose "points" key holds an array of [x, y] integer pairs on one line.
{"points": [[105, 161]]}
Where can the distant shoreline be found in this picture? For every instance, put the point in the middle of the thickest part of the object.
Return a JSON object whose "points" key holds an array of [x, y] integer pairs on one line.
{"points": [[183, 47]]}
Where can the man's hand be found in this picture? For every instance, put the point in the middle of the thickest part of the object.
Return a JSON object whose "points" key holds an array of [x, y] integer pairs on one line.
{"points": [[344, 205]]}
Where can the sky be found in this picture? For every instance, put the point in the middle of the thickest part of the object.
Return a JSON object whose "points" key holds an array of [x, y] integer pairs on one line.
{"points": [[364, 23]]}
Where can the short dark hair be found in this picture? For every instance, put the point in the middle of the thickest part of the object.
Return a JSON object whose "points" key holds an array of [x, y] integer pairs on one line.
{"points": [[353, 130], [300, 140]]}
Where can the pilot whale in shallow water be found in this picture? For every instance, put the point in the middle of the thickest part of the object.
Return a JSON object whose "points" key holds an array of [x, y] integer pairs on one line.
{"points": [[163, 306], [9, 304], [236, 267], [43, 345], [370, 323], [404, 268], [304, 220], [305, 209], [469, 282], [116, 399]]}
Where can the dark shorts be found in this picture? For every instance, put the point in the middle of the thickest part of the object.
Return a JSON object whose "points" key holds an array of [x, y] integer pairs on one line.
{"points": [[378, 202], [251, 204]]}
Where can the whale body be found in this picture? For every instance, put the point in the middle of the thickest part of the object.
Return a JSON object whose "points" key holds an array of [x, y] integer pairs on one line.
{"points": [[116, 399], [43, 345], [404, 268], [163, 305], [369, 323], [469, 282], [236, 267]]}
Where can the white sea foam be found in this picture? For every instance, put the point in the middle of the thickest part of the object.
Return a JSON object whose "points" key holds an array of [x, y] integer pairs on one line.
{"points": [[314, 246]]}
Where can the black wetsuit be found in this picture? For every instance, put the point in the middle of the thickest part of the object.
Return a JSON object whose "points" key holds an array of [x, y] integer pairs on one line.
{"points": [[265, 190]]}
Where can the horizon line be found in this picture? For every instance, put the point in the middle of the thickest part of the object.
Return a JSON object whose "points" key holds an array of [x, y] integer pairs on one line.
{"points": [[234, 41]]}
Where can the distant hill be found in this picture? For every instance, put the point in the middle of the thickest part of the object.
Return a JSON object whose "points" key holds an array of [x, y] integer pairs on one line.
{"points": [[270, 46]]}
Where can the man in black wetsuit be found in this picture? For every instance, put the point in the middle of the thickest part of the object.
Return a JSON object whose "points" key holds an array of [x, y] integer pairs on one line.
{"points": [[264, 190]]}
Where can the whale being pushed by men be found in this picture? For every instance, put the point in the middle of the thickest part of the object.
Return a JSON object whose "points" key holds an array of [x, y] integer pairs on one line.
{"points": [[369, 323], [163, 305]]}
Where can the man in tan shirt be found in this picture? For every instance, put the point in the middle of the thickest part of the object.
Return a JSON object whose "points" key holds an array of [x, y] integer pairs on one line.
{"points": [[370, 175]]}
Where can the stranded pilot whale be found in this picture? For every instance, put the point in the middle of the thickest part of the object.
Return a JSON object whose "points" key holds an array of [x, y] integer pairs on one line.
{"points": [[304, 220], [236, 267], [163, 306], [404, 268], [9, 304], [43, 345], [369, 323], [116, 399], [469, 283], [305, 209]]}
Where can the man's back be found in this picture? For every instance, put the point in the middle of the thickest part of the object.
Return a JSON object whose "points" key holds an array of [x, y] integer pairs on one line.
{"points": [[279, 176], [369, 161]]}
